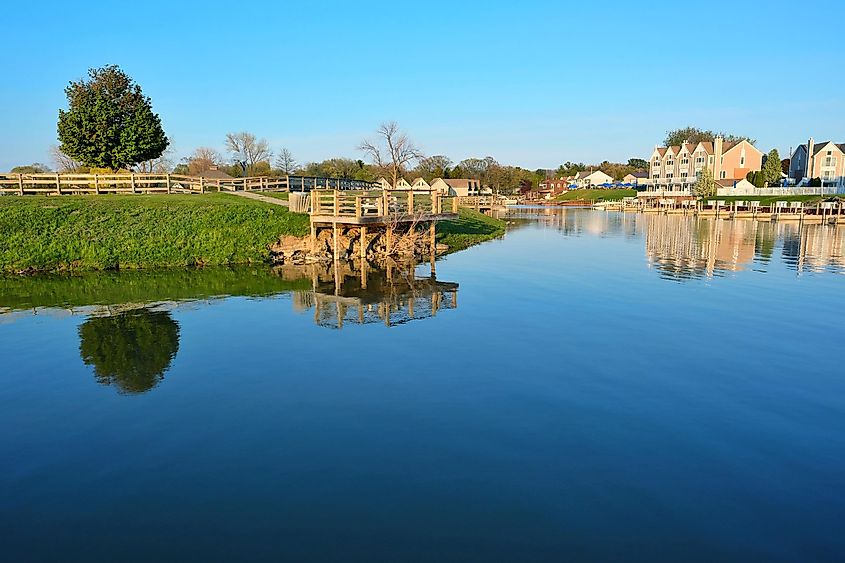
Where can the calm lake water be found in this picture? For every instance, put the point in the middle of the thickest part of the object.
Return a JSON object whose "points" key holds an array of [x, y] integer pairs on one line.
{"points": [[596, 385]]}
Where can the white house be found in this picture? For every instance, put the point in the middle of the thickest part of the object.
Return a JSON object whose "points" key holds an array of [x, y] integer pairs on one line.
{"points": [[589, 178]]}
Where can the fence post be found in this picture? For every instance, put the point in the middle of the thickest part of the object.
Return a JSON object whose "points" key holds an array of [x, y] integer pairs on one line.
{"points": [[454, 205], [202, 185], [336, 204], [168, 183], [58, 185], [97, 184], [411, 202], [357, 206], [20, 184], [132, 180]]}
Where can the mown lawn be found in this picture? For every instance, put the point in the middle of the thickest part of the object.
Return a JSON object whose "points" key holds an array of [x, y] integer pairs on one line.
{"points": [[469, 229], [143, 231], [596, 194]]}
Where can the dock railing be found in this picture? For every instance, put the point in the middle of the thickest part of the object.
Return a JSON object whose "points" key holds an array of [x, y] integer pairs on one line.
{"points": [[384, 203]]}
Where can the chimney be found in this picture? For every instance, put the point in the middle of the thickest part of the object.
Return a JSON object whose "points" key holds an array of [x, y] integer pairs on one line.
{"points": [[811, 145], [717, 157]]}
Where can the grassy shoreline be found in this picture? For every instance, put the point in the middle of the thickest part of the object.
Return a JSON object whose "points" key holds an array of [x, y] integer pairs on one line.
{"points": [[609, 194], [42, 234], [105, 232], [471, 228]]}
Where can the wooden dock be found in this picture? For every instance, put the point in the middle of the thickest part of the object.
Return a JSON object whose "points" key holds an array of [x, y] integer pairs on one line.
{"points": [[826, 212], [369, 215]]}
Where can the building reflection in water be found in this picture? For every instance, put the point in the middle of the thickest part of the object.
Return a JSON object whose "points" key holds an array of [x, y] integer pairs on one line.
{"points": [[681, 247], [686, 247]]}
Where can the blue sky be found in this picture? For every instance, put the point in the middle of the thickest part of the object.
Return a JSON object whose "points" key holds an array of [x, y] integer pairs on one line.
{"points": [[530, 83]]}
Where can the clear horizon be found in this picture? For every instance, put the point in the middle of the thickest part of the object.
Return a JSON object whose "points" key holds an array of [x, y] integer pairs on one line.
{"points": [[534, 85]]}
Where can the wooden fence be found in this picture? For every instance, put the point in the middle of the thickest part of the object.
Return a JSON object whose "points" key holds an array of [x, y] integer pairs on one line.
{"points": [[59, 184]]}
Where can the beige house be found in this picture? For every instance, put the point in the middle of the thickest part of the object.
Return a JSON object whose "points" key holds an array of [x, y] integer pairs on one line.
{"points": [[673, 170], [825, 160], [401, 184], [635, 178], [461, 187], [420, 184]]}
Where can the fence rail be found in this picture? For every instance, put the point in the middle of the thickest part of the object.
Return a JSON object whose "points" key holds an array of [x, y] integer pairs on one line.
{"points": [[59, 184]]}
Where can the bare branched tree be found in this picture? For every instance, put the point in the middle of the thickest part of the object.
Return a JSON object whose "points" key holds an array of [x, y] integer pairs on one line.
{"points": [[393, 151], [285, 162], [160, 165], [248, 148], [63, 162], [202, 160]]}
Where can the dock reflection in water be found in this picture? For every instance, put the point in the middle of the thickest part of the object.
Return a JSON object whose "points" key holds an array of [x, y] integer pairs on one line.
{"points": [[351, 293]]}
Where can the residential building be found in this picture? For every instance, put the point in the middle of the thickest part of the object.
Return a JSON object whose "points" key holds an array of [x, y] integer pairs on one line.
{"points": [[673, 170], [636, 178], [825, 161], [401, 184], [554, 185], [590, 178], [462, 187], [420, 184]]}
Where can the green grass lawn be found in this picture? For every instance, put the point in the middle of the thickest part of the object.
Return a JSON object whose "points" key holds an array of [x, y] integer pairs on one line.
{"points": [[597, 194], [469, 229], [143, 231]]}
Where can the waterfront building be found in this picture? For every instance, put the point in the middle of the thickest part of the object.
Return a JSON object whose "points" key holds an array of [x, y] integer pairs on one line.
{"points": [[673, 170], [824, 160]]}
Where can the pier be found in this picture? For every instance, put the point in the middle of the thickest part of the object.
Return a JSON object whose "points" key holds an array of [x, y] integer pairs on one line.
{"points": [[824, 212], [357, 219]]}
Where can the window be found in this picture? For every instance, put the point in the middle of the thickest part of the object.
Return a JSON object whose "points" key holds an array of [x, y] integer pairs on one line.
{"points": [[742, 161], [670, 163], [722, 175], [684, 161]]}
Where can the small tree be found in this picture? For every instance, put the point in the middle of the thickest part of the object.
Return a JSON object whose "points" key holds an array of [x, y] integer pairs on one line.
{"points": [[249, 149], [109, 122], [285, 162], [772, 168], [393, 152], [202, 160], [705, 185]]}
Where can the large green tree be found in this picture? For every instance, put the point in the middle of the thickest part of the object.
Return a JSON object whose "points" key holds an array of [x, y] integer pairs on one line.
{"points": [[691, 134], [772, 169], [109, 122]]}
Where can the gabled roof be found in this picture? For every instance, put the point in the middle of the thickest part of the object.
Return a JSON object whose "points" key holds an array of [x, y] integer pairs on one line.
{"points": [[707, 146], [458, 182], [818, 147], [731, 146], [419, 180], [660, 150]]}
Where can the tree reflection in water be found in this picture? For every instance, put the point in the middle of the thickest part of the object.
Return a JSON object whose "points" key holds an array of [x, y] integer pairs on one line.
{"points": [[130, 350]]}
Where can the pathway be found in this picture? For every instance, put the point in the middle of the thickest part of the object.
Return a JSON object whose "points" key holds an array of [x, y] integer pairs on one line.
{"points": [[260, 197]]}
